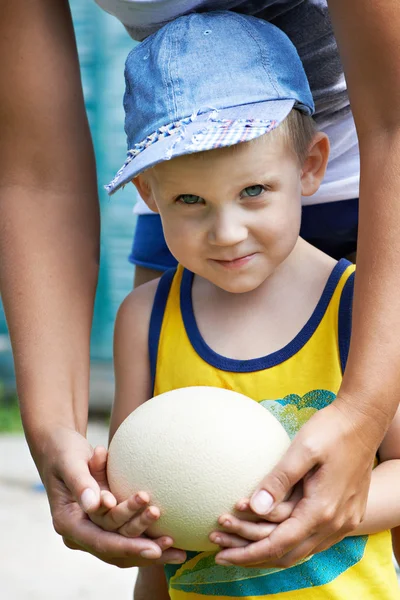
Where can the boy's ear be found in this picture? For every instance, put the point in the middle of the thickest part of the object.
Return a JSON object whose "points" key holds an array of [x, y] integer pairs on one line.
{"points": [[143, 187], [314, 166]]}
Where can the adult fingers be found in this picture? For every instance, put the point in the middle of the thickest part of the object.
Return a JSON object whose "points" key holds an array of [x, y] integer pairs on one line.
{"points": [[170, 556], [328, 543], [313, 545], [310, 526], [112, 547], [71, 471], [284, 538], [283, 510], [296, 463]]}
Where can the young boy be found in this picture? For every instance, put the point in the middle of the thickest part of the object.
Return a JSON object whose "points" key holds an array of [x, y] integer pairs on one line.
{"points": [[223, 147]]}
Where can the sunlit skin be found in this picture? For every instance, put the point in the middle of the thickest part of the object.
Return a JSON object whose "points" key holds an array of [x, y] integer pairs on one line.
{"points": [[232, 216]]}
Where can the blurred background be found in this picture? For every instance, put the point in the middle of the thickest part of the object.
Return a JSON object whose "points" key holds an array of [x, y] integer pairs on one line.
{"points": [[103, 45], [34, 563]]}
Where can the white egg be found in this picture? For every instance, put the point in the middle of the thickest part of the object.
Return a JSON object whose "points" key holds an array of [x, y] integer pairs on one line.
{"points": [[197, 451]]}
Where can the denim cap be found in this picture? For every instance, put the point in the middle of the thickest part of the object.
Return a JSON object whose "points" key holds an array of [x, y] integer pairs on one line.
{"points": [[205, 81]]}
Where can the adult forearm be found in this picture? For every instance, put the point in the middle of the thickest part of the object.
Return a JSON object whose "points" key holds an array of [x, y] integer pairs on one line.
{"points": [[48, 274], [49, 217], [368, 36], [372, 376]]}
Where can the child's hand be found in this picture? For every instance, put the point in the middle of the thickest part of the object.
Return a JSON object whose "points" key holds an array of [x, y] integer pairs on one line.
{"points": [[243, 529], [131, 517]]}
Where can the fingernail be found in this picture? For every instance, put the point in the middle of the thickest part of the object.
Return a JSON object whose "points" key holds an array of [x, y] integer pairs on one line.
{"points": [[148, 554], [88, 499], [223, 562], [177, 560], [214, 537], [262, 502]]}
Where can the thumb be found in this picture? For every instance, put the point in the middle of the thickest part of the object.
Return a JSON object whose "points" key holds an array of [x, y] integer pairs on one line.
{"points": [[90, 498], [277, 485], [83, 487]]}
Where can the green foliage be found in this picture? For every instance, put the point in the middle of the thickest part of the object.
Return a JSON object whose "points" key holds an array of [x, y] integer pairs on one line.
{"points": [[10, 420]]}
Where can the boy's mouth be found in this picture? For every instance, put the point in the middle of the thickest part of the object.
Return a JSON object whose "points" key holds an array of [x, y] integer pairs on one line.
{"points": [[235, 262]]}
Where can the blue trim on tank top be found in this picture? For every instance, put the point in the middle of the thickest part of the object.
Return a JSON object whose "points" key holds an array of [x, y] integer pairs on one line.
{"points": [[234, 365], [156, 320], [344, 320]]}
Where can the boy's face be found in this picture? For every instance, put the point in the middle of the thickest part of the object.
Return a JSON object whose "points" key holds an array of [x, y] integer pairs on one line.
{"points": [[231, 216]]}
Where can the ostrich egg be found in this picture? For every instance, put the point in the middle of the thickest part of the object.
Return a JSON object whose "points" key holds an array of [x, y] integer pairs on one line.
{"points": [[197, 451]]}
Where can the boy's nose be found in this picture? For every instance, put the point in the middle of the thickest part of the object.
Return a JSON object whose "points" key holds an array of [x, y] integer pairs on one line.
{"points": [[226, 230]]}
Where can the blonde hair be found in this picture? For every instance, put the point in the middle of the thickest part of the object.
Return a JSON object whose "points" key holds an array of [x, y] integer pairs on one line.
{"points": [[299, 130]]}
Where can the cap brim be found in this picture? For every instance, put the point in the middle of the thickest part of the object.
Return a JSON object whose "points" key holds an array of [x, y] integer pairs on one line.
{"points": [[181, 143]]}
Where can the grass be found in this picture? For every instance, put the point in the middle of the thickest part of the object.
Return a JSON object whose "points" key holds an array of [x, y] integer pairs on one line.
{"points": [[10, 420]]}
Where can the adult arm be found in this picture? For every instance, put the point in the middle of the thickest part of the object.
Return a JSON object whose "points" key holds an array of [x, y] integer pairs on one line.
{"points": [[335, 491], [49, 247], [49, 220]]}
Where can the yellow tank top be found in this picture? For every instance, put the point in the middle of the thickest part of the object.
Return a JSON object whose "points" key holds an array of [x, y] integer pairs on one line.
{"points": [[293, 383]]}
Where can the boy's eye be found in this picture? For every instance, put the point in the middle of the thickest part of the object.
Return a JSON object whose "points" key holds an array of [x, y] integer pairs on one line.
{"points": [[253, 190], [189, 199]]}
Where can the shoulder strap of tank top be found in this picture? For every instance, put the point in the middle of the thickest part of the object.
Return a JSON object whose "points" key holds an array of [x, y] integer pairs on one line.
{"points": [[156, 319], [344, 321]]}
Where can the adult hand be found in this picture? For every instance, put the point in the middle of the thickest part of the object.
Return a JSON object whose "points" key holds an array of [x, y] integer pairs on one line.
{"points": [[243, 527], [333, 455], [73, 492], [132, 516]]}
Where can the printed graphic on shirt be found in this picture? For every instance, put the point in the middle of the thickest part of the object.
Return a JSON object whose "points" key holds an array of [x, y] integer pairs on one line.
{"points": [[293, 410]]}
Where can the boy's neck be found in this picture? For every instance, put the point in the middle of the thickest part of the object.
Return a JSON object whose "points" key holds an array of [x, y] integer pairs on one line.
{"points": [[303, 263], [279, 307]]}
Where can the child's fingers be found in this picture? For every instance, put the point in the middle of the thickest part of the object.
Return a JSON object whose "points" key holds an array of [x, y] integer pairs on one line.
{"points": [[227, 540], [107, 503], [248, 530], [138, 524], [107, 500], [124, 512], [115, 517], [164, 542], [243, 505]]}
